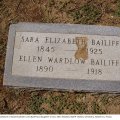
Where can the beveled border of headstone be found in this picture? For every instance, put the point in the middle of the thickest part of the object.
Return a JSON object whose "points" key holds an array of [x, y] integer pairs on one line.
{"points": [[63, 84]]}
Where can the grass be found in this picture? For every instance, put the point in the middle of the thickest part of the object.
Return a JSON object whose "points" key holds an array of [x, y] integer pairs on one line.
{"points": [[30, 101], [97, 109], [87, 14], [118, 9]]}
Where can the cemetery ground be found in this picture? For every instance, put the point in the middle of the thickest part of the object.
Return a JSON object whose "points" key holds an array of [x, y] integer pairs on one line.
{"points": [[31, 101]]}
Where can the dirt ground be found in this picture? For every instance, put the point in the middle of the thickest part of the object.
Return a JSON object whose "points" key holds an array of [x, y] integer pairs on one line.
{"points": [[31, 101]]}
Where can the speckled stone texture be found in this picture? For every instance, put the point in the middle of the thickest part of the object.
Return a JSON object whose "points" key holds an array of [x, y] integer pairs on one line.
{"points": [[64, 84]]}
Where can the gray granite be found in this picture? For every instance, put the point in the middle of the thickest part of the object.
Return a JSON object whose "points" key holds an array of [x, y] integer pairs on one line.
{"points": [[57, 83]]}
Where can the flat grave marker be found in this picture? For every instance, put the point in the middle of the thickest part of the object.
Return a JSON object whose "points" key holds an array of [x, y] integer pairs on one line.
{"points": [[63, 56]]}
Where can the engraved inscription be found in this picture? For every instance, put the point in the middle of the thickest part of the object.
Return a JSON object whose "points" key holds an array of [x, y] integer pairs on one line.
{"points": [[66, 56]]}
